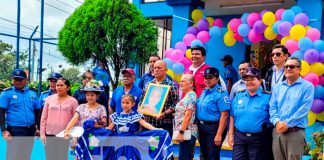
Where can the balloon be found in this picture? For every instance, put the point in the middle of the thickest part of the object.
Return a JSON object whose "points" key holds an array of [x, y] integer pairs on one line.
{"points": [[215, 31], [177, 77], [203, 36], [168, 52], [238, 37], [269, 34], [297, 32], [177, 55], [186, 63], [314, 34], [319, 45], [234, 24], [313, 78], [317, 68], [320, 116], [170, 73], [278, 13], [253, 37], [298, 54], [252, 18], [319, 92], [181, 46], [305, 44], [188, 53], [301, 19], [196, 43], [279, 37], [292, 45], [244, 17], [284, 28], [188, 38], [308, 27], [192, 30], [321, 80], [268, 18], [196, 15], [263, 39], [203, 25], [284, 40], [247, 41], [296, 9], [178, 68], [229, 39], [288, 15], [305, 68], [275, 27], [259, 27], [210, 21], [318, 106], [311, 117], [244, 29], [321, 57], [168, 62], [311, 56], [263, 12], [218, 22]]}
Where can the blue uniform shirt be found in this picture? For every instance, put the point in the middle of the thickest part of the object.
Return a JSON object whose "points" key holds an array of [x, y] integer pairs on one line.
{"points": [[238, 86], [20, 106], [291, 103], [146, 78], [43, 97], [211, 102], [230, 72], [250, 113], [101, 75], [116, 99]]}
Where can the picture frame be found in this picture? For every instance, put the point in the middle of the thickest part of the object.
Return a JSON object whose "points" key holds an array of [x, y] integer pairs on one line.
{"points": [[154, 99]]}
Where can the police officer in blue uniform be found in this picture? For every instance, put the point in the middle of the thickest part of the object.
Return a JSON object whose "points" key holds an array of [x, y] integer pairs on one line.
{"points": [[212, 113], [230, 74], [250, 128], [52, 79], [20, 108]]}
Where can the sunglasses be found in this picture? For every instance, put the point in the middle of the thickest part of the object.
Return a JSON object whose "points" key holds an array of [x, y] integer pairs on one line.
{"points": [[18, 79], [278, 54], [291, 66]]}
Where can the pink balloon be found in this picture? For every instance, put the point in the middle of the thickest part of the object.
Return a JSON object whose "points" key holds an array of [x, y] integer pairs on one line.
{"points": [[182, 46], [238, 37], [279, 13], [186, 62], [234, 24], [203, 36], [177, 55], [292, 45], [218, 22], [167, 52], [321, 80], [254, 37], [188, 38], [313, 78], [314, 34], [252, 18]]}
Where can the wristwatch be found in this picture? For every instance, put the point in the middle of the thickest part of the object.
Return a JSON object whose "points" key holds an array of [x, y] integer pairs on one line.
{"points": [[181, 132]]}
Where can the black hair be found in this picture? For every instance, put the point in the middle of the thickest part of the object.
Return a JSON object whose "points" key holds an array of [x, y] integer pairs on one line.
{"points": [[283, 48], [67, 83], [131, 97], [88, 71], [156, 56], [249, 64], [201, 49], [295, 59]]}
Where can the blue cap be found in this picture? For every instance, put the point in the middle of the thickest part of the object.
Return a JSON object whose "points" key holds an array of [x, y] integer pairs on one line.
{"points": [[211, 71], [19, 73], [54, 76], [253, 72]]}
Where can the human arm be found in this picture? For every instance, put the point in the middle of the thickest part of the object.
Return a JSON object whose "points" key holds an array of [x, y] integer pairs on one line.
{"points": [[229, 84], [72, 123], [231, 132], [43, 122], [185, 124], [221, 128], [146, 125]]}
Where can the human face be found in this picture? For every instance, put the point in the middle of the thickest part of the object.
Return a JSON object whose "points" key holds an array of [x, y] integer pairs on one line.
{"points": [[252, 83], [278, 57], [185, 83], [127, 104], [19, 83], [210, 81], [152, 60], [160, 69], [61, 87], [87, 77], [91, 97], [128, 79], [243, 68], [225, 63], [155, 97], [197, 58], [53, 84], [292, 69]]}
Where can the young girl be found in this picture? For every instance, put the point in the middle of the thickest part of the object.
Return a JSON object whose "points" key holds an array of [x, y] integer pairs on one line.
{"points": [[128, 122]]}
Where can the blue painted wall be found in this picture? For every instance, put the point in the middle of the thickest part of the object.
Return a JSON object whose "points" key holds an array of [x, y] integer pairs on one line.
{"points": [[154, 10]]}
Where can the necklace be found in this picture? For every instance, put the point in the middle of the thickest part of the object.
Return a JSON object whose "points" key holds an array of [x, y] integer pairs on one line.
{"points": [[124, 127]]}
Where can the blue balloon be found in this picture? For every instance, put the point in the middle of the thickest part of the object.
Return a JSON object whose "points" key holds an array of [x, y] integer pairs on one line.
{"points": [[275, 26], [196, 43], [305, 43], [319, 92], [168, 62], [215, 31], [224, 30], [288, 15], [298, 54], [178, 68], [247, 41], [319, 45], [244, 17], [296, 9], [244, 29]]}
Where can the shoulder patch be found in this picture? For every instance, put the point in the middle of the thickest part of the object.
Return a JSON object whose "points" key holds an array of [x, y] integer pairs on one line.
{"points": [[240, 91], [266, 92], [220, 90]]}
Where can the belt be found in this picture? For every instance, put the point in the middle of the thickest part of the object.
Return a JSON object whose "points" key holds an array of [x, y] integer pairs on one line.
{"points": [[294, 129], [207, 122], [26, 127], [251, 134]]}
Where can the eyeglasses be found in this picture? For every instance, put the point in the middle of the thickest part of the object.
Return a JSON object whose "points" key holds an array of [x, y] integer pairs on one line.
{"points": [[278, 54], [291, 66]]}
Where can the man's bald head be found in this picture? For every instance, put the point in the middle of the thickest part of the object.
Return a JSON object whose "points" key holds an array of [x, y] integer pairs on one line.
{"points": [[160, 69]]}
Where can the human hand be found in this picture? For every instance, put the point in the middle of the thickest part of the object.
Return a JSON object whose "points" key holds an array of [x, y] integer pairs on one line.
{"points": [[281, 127], [218, 140], [43, 139], [179, 137], [66, 134], [231, 140], [6, 135]]}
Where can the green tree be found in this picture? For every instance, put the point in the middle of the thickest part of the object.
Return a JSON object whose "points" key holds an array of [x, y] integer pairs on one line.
{"points": [[71, 74], [113, 31]]}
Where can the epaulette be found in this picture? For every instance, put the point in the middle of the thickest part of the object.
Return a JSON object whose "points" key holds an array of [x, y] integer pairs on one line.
{"points": [[240, 91], [266, 92], [220, 90]]}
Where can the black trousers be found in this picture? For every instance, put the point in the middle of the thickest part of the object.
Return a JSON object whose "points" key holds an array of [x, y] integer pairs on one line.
{"points": [[207, 133], [107, 91]]}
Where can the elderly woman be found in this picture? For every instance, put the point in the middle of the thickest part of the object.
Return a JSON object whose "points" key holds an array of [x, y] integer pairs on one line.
{"points": [[185, 118], [213, 108], [250, 129]]}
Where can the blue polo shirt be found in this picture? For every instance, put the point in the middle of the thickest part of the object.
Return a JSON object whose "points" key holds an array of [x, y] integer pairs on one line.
{"points": [[211, 102], [238, 86], [101, 75], [147, 78], [20, 106], [44, 96], [116, 99], [251, 112], [230, 72]]}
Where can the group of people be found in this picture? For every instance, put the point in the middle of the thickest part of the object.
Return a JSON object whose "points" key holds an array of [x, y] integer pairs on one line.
{"points": [[264, 117]]}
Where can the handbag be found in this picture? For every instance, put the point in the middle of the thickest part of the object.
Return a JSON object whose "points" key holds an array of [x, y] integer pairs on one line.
{"points": [[186, 135]]}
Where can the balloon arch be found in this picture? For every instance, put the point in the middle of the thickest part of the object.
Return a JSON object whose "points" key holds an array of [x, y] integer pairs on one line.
{"points": [[289, 26]]}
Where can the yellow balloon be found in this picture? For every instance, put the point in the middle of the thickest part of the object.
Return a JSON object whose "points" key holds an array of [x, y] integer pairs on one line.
{"points": [[170, 73], [305, 68], [196, 15], [269, 34], [229, 39], [317, 68], [311, 118], [210, 21], [177, 77], [268, 18], [284, 40], [320, 116], [308, 27], [297, 32], [188, 53]]}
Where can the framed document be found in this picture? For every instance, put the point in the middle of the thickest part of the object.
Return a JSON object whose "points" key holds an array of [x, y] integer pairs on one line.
{"points": [[154, 99]]}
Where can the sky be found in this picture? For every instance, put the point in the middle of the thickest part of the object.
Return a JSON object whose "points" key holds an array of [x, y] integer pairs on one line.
{"points": [[55, 14]]}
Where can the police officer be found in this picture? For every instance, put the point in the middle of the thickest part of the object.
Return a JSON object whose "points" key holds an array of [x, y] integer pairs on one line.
{"points": [[52, 79], [250, 128], [20, 108], [212, 113], [230, 74]]}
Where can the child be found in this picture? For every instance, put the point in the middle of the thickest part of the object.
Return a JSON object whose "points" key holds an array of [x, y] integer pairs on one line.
{"points": [[128, 122]]}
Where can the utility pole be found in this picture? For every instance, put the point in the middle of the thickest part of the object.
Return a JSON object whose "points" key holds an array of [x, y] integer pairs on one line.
{"points": [[18, 34], [33, 62]]}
